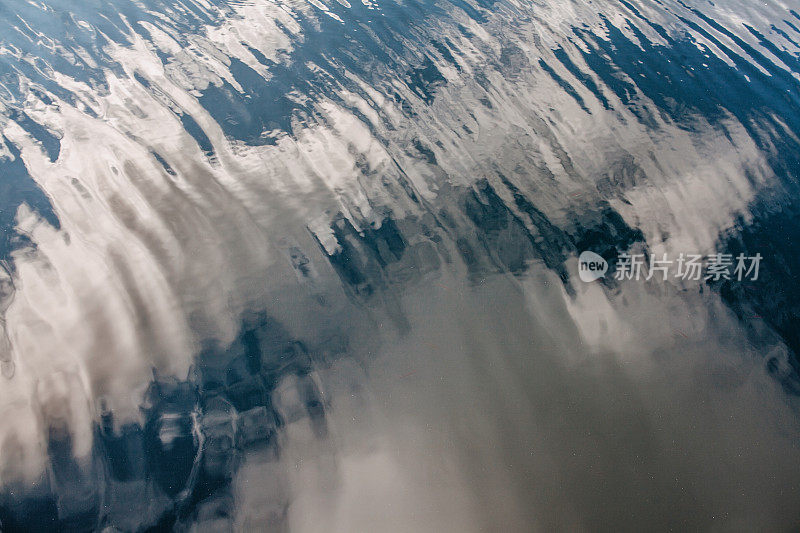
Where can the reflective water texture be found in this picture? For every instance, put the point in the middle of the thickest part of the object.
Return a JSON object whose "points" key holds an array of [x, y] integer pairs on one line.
{"points": [[307, 265]]}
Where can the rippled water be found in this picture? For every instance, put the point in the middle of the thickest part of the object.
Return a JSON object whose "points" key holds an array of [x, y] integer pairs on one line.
{"points": [[312, 265]]}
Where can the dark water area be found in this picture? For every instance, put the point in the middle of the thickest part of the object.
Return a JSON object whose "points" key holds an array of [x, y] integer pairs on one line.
{"points": [[313, 266]]}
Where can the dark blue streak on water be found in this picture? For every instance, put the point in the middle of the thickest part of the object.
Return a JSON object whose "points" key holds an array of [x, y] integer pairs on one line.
{"points": [[17, 188], [569, 89], [331, 49]]}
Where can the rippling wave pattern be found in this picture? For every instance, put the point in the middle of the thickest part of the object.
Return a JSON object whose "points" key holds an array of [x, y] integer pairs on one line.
{"points": [[312, 265]]}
